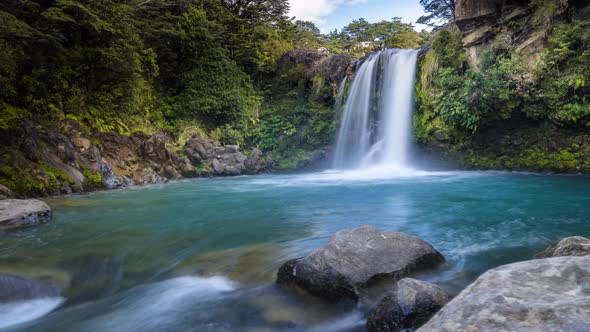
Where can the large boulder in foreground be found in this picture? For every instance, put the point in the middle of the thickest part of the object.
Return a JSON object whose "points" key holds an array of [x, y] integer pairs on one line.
{"points": [[570, 246], [550, 294], [355, 258], [17, 213], [407, 307]]}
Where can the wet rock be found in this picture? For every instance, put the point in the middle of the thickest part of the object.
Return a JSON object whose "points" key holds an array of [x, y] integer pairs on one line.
{"points": [[97, 275], [149, 176], [171, 172], [353, 259], [249, 266], [232, 171], [155, 148], [570, 246], [5, 192], [127, 182], [17, 213], [540, 295], [15, 288], [407, 307], [186, 168], [109, 179], [218, 167]]}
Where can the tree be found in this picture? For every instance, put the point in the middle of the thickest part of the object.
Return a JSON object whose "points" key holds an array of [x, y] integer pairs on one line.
{"points": [[358, 31], [438, 12], [267, 11]]}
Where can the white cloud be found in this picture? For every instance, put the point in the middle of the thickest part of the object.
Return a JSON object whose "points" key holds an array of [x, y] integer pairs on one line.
{"points": [[316, 10]]}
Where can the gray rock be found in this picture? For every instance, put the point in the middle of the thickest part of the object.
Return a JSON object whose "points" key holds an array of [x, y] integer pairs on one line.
{"points": [[155, 148], [407, 307], [551, 294], [232, 171], [66, 189], [232, 148], [218, 167], [171, 172], [109, 179], [15, 288], [570, 246], [5, 192], [194, 152], [148, 175], [353, 259], [17, 213]]}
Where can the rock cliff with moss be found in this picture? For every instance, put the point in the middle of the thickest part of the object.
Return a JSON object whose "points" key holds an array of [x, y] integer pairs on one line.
{"points": [[505, 86]]}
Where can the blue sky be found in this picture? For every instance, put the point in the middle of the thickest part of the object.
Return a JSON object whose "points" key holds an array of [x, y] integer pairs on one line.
{"points": [[335, 14]]}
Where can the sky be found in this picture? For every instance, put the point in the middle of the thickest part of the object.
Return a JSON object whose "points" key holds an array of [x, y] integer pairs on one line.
{"points": [[335, 14]]}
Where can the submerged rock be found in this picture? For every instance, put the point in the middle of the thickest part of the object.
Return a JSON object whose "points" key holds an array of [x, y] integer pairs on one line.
{"points": [[570, 246], [408, 306], [249, 266], [353, 259], [540, 295], [15, 288], [17, 213]]}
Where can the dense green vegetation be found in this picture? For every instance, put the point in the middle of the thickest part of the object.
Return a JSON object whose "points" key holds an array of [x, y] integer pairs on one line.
{"points": [[210, 66], [460, 106]]}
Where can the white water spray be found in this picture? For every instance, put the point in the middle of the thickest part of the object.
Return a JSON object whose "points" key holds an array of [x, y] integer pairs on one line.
{"points": [[376, 125]]}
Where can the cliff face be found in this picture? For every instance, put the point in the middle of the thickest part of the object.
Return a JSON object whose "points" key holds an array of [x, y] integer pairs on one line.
{"points": [[491, 23], [488, 24], [529, 99]]}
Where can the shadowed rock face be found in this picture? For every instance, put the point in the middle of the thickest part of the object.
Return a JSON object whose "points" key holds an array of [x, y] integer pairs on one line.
{"points": [[17, 213], [408, 306], [355, 258], [15, 288], [481, 21], [570, 246], [550, 294]]}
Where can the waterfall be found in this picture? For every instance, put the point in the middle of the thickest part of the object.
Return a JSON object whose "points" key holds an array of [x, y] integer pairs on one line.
{"points": [[376, 124]]}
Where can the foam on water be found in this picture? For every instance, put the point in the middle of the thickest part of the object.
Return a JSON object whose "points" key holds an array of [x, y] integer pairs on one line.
{"points": [[376, 174], [155, 306], [13, 313]]}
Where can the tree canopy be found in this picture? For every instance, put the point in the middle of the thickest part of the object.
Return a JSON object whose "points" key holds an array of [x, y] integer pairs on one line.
{"points": [[438, 12]]}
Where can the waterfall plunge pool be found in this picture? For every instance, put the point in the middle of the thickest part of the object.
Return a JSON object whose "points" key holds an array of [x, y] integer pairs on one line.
{"points": [[201, 255]]}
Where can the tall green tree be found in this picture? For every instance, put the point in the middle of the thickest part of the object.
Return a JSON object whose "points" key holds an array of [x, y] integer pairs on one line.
{"points": [[438, 12]]}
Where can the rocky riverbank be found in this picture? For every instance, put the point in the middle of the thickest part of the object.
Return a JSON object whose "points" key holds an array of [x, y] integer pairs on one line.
{"points": [[45, 161]]}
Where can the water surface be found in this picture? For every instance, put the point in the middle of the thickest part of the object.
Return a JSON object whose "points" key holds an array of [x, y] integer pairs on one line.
{"points": [[200, 255]]}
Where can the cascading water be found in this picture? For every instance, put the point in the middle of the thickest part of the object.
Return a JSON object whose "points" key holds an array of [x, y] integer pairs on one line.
{"points": [[376, 124]]}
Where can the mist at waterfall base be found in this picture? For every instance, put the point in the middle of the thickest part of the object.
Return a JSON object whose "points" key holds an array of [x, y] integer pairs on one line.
{"points": [[375, 130]]}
